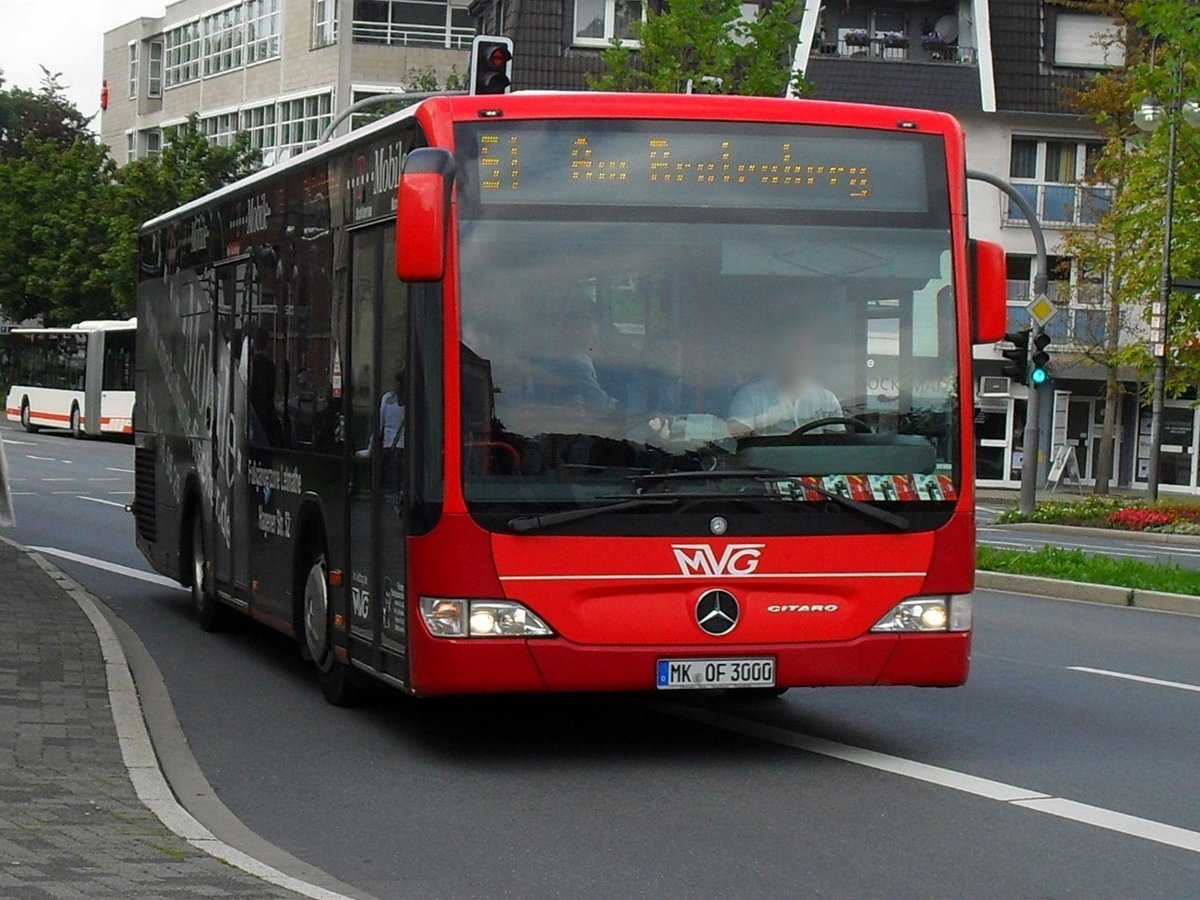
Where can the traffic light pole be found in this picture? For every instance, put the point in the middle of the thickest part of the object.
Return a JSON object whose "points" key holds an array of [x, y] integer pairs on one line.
{"points": [[1030, 441]]}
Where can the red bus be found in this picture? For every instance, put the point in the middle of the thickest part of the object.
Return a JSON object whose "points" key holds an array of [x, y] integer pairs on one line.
{"points": [[577, 392]]}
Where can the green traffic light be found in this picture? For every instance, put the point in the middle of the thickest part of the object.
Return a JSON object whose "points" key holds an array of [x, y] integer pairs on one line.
{"points": [[1039, 376]]}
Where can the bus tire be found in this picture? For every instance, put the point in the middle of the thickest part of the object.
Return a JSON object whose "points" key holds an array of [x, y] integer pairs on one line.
{"points": [[76, 424], [210, 612], [339, 684], [27, 417]]}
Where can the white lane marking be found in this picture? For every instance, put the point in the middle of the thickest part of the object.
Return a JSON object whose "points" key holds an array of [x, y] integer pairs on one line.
{"points": [[148, 779], [106, 566], [641, 577], [106, 479], [24, 493], [1108, 819], [122, 492], [100, 500], [1141, 679], [41, 458], [9, 440], [114, 469], [58, 479], [67, 462]]}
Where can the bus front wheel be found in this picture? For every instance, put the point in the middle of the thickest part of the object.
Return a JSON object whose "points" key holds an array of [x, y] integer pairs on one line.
{"points": [[210, 612], [76, 424], [338, 682], [27, 417]]}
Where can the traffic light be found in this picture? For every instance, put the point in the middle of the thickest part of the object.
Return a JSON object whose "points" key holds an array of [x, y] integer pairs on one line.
{"points": [[1018, 357], [1039, 371], [491, 64]]}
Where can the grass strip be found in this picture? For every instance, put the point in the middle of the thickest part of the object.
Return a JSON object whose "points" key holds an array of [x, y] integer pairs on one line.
{"points": [[1075, 565]]}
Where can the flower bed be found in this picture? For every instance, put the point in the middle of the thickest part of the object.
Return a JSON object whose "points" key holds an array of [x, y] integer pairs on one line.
{"points": [[1122, 514]]}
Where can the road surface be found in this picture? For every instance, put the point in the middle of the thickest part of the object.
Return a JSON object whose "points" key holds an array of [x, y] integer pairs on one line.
{"points": [[1051, 774]]}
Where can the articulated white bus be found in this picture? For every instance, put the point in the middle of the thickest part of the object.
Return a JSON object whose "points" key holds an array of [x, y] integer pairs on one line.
{"points": [[79, 378]]}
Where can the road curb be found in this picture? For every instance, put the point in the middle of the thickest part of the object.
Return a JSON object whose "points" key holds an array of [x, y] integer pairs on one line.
{"points": [[144, 768], [1137, 537], [1088, 593]]}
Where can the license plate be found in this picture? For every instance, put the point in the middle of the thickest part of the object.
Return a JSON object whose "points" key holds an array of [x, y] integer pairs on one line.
{"points": [[746, 672]]}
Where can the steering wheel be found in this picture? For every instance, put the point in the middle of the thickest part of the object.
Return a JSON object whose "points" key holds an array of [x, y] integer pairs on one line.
{"points": [[856, 424]]}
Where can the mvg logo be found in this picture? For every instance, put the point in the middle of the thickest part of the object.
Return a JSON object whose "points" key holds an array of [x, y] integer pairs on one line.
{"points": [[701, 559]]}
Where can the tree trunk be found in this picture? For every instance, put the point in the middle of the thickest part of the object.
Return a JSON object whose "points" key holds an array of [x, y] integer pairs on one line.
{"points": [[1112, 387]]}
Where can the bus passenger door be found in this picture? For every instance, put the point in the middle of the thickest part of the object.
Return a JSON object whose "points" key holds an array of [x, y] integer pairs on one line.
{"points": [[229, 512], [377, 532]]}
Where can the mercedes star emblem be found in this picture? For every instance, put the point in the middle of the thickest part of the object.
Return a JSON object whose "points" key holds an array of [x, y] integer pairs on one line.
{"points": [[718, 525], [717, 612]]}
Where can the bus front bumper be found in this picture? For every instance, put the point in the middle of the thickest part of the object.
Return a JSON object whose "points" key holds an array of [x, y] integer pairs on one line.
{"points": [[441, 666]]}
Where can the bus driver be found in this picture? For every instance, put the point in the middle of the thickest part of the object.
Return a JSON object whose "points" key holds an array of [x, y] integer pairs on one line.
{"points": [[788, 397]]}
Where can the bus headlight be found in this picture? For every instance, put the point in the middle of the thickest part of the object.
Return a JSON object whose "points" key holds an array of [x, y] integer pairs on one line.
{"points": [[481, 618], [950, 612]]}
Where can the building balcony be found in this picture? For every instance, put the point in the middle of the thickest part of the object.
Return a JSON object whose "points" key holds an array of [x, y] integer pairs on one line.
{"points": [[928, 32], [412, 23], [1060, 205]]}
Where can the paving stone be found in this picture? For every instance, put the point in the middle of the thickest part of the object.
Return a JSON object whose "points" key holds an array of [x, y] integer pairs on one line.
{"points": [[71, 825]]}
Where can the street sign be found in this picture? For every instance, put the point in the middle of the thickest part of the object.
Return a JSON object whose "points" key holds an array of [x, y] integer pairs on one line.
{"points": [[1186, 284], [1041, 310]]}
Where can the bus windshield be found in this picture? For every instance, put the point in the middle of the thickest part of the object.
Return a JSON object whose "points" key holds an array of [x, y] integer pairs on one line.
{"points": [[774, 300]]}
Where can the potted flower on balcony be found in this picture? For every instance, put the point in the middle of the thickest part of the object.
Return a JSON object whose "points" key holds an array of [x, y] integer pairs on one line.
{"points": [[858, 37], [894, 39], [934, 42]]}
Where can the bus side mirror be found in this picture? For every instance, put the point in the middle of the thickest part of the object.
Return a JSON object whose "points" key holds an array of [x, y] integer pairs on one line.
{"points": [[423, 214], [989, 292]]}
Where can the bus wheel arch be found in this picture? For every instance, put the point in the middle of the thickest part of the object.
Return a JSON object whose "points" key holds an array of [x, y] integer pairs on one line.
{"points": [[27, 417], [313, 610]]}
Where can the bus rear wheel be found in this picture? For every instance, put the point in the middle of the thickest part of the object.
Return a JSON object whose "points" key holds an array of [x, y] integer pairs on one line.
{"points": [[338, 682], [27, 417], [76, 423], [210, 612]]}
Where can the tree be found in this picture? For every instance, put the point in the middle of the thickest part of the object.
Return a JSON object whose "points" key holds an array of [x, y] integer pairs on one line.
{"points": [[54, 204], [45, 114], [712, 46], [1125, 241]]}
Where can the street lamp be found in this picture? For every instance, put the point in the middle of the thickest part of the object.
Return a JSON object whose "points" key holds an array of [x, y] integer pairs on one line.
{"points": [[1148, 117]]}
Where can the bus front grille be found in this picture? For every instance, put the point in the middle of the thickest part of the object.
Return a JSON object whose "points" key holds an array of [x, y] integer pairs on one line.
{"points": [[144, 505]]}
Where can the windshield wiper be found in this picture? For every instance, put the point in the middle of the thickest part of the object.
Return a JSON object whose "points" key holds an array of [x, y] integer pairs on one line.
{"points": [[546, 520], [867, 509]]}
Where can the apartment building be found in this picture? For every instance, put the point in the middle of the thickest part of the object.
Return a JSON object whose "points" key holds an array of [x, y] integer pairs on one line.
{"points": [[1005, 68], [276, 69]]}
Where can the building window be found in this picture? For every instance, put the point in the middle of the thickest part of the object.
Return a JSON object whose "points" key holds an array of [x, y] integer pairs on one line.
{"points": [[301, 122], [325, 23], [220, 129], [1087, 41], [183, 54], [1079, 294], [1054, 175], [259, 124], [153, 142], [430, 23], [154, 74], [133, 71], [597, 22], [224, 40], [130, 146], [262, 30]]}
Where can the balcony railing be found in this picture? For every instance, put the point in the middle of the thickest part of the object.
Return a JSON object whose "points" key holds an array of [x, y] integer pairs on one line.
{"points": [[1078, 321], [1062, 204], [407, 34]]}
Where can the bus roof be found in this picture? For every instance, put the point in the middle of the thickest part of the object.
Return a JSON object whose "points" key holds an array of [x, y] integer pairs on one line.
{"points": [[584, 104], [89, 325]]}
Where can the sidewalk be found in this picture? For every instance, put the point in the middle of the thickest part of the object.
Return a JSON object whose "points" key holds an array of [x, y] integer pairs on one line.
{"points": [[70, 822]]}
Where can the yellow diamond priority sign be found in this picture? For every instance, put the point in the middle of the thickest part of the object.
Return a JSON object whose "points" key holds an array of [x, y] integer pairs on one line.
{"points": [[1041, 310]]}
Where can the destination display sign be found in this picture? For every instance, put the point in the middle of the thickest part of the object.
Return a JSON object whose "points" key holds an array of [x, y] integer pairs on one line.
{"points": [[690, 164]]}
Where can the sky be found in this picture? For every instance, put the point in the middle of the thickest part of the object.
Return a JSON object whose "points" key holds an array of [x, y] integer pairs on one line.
{"points": [[64, 36]]}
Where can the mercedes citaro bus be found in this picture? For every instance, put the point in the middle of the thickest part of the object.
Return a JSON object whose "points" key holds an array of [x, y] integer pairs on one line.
{"points": [[79, 377], [566, 392]]}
